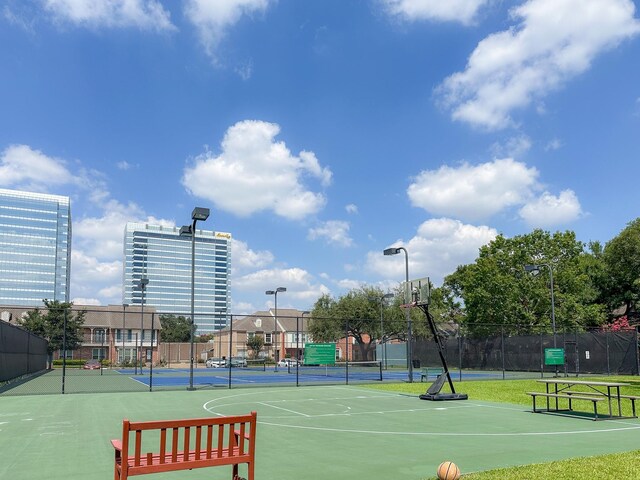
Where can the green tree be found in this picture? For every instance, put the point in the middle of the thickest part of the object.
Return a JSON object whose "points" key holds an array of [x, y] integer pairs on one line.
{"points": [[175, 328], [255, 343], [356, 314], [50, 324], [496, 292], [622, 259]]}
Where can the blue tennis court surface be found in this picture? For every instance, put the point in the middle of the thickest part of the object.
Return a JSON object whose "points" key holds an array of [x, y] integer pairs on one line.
{"points": [[222, 377]]}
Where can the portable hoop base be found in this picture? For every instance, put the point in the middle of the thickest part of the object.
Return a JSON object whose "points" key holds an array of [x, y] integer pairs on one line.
{"points": [[444, 396]]}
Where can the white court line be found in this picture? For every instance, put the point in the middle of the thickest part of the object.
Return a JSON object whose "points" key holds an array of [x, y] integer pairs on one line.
{"points": [[285, 409], [211, 405]]}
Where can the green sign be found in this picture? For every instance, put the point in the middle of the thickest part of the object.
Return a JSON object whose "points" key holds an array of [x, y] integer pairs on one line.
{"points": [[554, 356], [320, 354]]}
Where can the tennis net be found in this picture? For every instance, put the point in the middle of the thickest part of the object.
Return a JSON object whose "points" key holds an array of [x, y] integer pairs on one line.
{"points": [[371, 370]]}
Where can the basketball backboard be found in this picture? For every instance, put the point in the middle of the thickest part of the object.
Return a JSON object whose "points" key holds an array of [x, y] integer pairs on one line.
{"points": [[417, 291]]}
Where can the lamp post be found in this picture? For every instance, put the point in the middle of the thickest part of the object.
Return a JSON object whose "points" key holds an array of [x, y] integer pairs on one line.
{"points": [[142, 283], [382, 342], [407, 312], [534, 270], [306, 312], [275, 322], [198, 213], [124, 315]]}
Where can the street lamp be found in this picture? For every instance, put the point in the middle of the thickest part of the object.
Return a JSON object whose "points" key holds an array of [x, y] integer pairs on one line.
{"points": [[202, 214], [534, 270], [407, 312], [142, 284], [298, 355], [275, 321], [382, 342], [124, 315]]}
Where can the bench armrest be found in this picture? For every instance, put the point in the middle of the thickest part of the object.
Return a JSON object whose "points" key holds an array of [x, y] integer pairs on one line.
{"points": [[117, 444]]}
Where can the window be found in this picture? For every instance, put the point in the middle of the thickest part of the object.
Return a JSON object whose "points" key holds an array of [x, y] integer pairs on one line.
{"points": [[99, 336], [267, 338], [69, 354], [97, 354]]}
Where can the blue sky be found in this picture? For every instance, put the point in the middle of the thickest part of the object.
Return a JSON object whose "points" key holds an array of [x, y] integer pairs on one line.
{"points": [[320, 132]]}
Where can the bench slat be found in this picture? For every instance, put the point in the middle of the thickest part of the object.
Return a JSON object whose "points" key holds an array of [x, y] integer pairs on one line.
{"points": [[163, 445], [568, 397]]}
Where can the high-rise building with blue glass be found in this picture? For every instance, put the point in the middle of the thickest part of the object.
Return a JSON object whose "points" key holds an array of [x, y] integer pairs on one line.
{"points": [[35, 248], [161, 255]]}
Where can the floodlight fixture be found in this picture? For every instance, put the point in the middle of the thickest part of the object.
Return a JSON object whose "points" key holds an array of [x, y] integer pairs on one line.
{"points": [[200, 213]]}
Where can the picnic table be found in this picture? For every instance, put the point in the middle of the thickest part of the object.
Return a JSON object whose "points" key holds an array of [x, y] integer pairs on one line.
{"points": [[595, 391]]}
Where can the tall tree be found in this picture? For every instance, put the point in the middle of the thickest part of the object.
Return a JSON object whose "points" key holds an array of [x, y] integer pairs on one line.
{"points": [[255, 344], [496, 291], [356, 314], [622, 259], [175, 328], [51, 324]]}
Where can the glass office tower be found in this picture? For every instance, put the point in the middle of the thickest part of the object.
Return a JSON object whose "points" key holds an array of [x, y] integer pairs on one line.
{"points": [[160, 254], [35, 248]]}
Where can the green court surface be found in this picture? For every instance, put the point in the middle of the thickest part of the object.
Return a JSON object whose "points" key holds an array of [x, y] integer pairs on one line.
{"points": [[321, 432]]}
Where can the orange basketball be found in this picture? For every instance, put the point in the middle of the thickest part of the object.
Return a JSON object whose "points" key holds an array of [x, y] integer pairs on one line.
{"points": [[448, 471]]}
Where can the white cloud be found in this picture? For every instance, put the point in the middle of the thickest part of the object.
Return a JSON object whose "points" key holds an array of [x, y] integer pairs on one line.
{"points": [[124, 165], [335, 232], [255, 173], [142, 14], [438, 247], [549, 210], [554, 144], [212, 19], [462, 11], [22, 167], [89, 274], [554, 41], [513, 147], [299, 283], [244, 258], [351, 208], [473, 192]]}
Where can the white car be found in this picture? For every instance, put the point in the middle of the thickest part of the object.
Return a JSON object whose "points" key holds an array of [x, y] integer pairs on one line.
{"points": [[288, 362], [216, 363]]}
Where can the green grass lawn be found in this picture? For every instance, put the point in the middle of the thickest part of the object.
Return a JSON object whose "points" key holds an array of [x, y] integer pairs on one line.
{"points": [[620, 465]]}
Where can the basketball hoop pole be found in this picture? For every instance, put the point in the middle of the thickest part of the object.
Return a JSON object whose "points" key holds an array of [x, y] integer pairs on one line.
{"points": [[432, 327]]}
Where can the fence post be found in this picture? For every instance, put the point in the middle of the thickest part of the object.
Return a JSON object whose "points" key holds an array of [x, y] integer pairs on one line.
{"points": [[502, 348], [606, 336], [64, 348], [541, 357], [637, 348], [459, 354]]}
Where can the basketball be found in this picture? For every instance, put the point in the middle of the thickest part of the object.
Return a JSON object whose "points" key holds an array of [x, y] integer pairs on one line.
{"points": [[448, 471]]}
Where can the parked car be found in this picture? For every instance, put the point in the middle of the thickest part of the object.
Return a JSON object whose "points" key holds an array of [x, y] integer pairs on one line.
{"points": [[238, 362], [288, 362], [216, 363], [91, 365]]}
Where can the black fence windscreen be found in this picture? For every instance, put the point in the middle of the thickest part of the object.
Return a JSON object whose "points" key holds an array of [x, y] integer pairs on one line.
{"points": [[121, 350], [21, 352]]}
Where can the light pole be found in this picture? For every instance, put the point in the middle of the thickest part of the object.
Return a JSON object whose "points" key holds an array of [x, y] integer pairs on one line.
{"points": [[142, 283], [382, 342], [275, 321], [306, 312], [534, 270], [124, 315], [198, 213], [407, 312]]}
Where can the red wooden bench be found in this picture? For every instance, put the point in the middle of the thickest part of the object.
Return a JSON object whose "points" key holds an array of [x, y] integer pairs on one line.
{"points": [[193, 443]]}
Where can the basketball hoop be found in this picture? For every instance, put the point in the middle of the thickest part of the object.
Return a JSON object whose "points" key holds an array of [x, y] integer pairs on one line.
{"points": [[409, 305]]}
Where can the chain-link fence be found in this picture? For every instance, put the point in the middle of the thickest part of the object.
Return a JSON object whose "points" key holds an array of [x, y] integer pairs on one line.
{"points": [[122, 349]]}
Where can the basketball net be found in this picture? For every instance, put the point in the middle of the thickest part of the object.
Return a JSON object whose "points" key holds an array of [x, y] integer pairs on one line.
{"points": [[409, 305]]}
